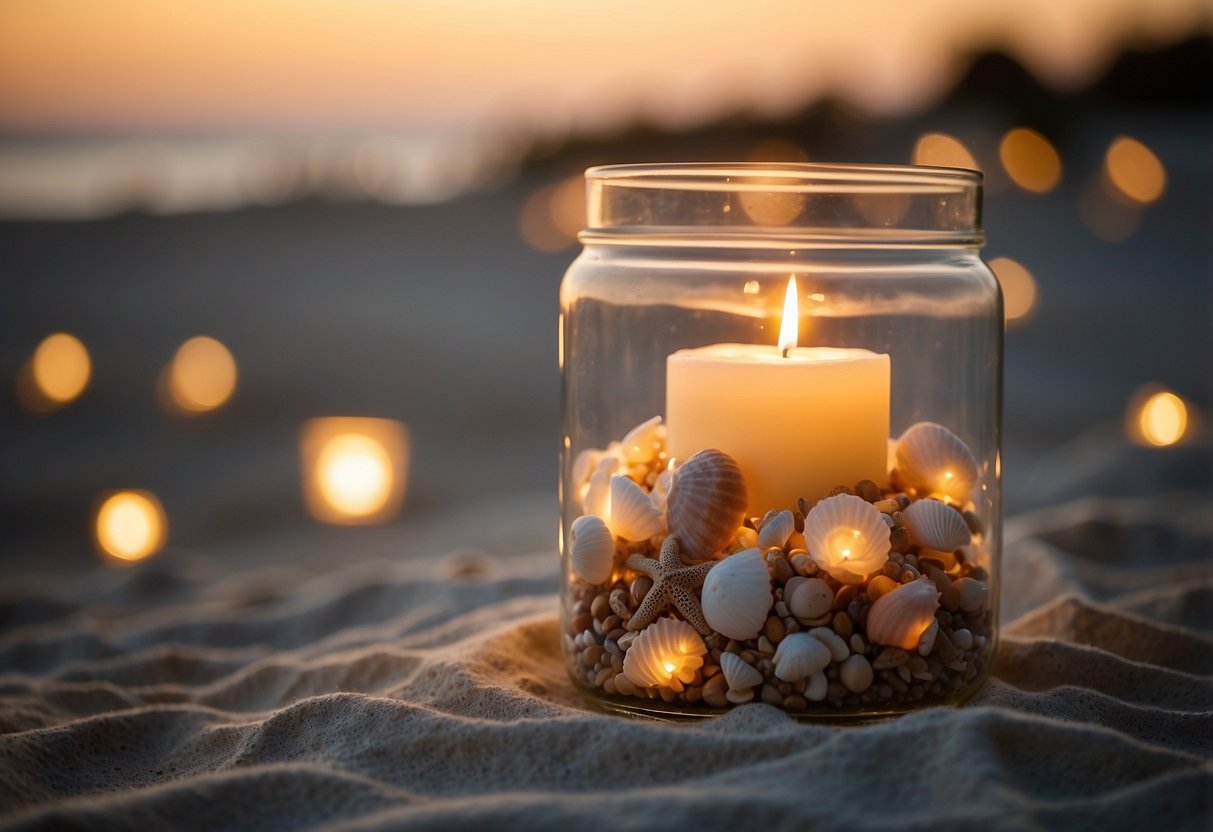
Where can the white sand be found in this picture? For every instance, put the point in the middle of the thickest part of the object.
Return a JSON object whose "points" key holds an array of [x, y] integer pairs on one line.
{"points": [[388, 694]]}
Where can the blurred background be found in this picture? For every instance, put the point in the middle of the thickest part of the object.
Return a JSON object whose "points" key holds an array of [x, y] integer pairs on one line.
{"points": [[279, 280]]}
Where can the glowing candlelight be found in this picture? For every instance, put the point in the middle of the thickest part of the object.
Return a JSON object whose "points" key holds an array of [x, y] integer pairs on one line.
{"points": [[847, 537]]}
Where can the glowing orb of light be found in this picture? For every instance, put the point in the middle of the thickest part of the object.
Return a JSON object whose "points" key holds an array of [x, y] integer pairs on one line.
{"points": [[942, 150], [354, 469], [1158, 417], [130, 525], [1134, 170], [1030, 160], [61, 368], [202, 375], [1018, 288], [354, 474]]}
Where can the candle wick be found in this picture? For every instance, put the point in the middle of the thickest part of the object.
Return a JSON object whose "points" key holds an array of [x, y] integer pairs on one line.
{"points": [[787, 350]]}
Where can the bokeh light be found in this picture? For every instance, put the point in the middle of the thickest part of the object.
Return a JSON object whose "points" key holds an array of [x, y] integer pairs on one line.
{"points": [[1019, 291], [1030, 160], [771, 208], [202, 375], [354, 469], [57, 374], [942, 150], [1158, 417], [130, 525], [1134, 170], [553, 215]]}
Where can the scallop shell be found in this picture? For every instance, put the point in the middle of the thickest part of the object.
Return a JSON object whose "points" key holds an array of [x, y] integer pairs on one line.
{"points": [[899, 618], [661, 489], [833, 642], [738, 673], [596, 498], [800, 655], [933, 460], [633, 515], [935, 525], [592, 549], [584, 464], [642, 443], [665, 654], [707, 503], [776, 530], [867, 537], [737, 595]]}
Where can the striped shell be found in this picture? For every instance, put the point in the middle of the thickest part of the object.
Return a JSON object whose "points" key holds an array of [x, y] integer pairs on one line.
{"points": [[665, 654], [847, 537], [776, 529], [643, 442], [737, 595], [738, 673], [934, 525], [633, 515], [900, 618], [596, 496], [591, 549], [706, 503], [933, 460], [800, 655]]}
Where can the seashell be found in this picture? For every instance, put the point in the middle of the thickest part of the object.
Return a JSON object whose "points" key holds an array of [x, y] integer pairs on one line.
{"points": [[856, 674], [736, 595], [665, 654], [776, 530], [936, 525], [642, 443], [661, 489], [592, 549], [596, 498], [584, 465], [900, 618], [833, 642], [847, 537], [817, 688], [811, 599], [800, 655], [633, 515], [738, 673], [926, 643], [933, 460], [707, 503]]}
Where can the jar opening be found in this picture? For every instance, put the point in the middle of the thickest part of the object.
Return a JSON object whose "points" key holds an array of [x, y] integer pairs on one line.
{"points": [[779, 204]]}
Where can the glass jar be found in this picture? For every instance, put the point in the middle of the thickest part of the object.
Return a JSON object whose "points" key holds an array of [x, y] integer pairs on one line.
{"points": [[781, 406]]}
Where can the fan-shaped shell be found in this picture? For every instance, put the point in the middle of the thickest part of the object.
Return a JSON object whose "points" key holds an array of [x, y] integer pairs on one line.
{"points": [[596, 498], [847, 537], [739, 674], [665, 654], [776, 529], [933, 460], [737, 595], [643, 442], [936, 526], [584, 464], [661, 489], [800, 655], [899, 618], [707, 503], [591, 549], [633, 515]]}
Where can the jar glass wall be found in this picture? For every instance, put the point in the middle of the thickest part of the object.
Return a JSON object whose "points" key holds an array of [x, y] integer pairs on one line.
{"points": [[781, 411]]}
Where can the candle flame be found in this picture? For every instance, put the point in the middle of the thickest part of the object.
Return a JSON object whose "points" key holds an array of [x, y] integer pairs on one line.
{"points": [[791, 319]]}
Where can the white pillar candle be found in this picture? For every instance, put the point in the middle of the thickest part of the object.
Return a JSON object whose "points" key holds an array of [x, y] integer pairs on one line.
{"points": [[798, 420]]}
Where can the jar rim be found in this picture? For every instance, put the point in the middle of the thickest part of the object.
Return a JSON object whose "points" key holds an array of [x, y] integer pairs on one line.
{"points": [[789, 175]]}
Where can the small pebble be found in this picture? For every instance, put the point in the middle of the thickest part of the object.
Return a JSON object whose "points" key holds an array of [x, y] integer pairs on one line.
{"points": [[619, 603], [715, 692], [771, 695], [800, 562], [812, 598], [779, 566], [972, 594], [887, 506], [856, 674], [890, 657], [694, 693], [774, 630], [963, 639], [817, 688], [858, 645], [899, 539], [881, 585], [842, 624], [892, 569], [781, 609], [624, 685], [867, 490], [845, 596], [640, 588], [601, 607], [795, 702], [591, 655]]}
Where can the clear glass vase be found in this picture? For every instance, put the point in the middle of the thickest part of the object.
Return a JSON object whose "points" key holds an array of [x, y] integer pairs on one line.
{"points": [[781, 408]]}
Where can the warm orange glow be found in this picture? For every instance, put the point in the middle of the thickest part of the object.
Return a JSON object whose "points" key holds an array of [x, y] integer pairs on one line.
{"points": [[553, 215], [202, 375], [751, 287], [1018, 289], [1157, 417], [788, 329], [130, 525], [942, 150], [354, 469], [777, 150], [1030, 160], [61, 368], [771, 208], [1134, 170]]}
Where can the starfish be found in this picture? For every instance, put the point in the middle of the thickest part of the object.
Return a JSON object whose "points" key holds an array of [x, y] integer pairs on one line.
{"points": [[672, 584]]}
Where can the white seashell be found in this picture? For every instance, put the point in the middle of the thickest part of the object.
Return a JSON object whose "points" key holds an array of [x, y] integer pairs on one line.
{"points": [[811, 599], [737, 595], [800, 655], [847, 537], [817, 688], [739, 697], [936, 525], [933, 460], [856, 674], [592, 549], [642, 443], [899, 618], [597, 497], [633, 515], [833, 642], [739, 674], [661, 489], [665, 654], [927, 642], [776, 530], [707, 503]]}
